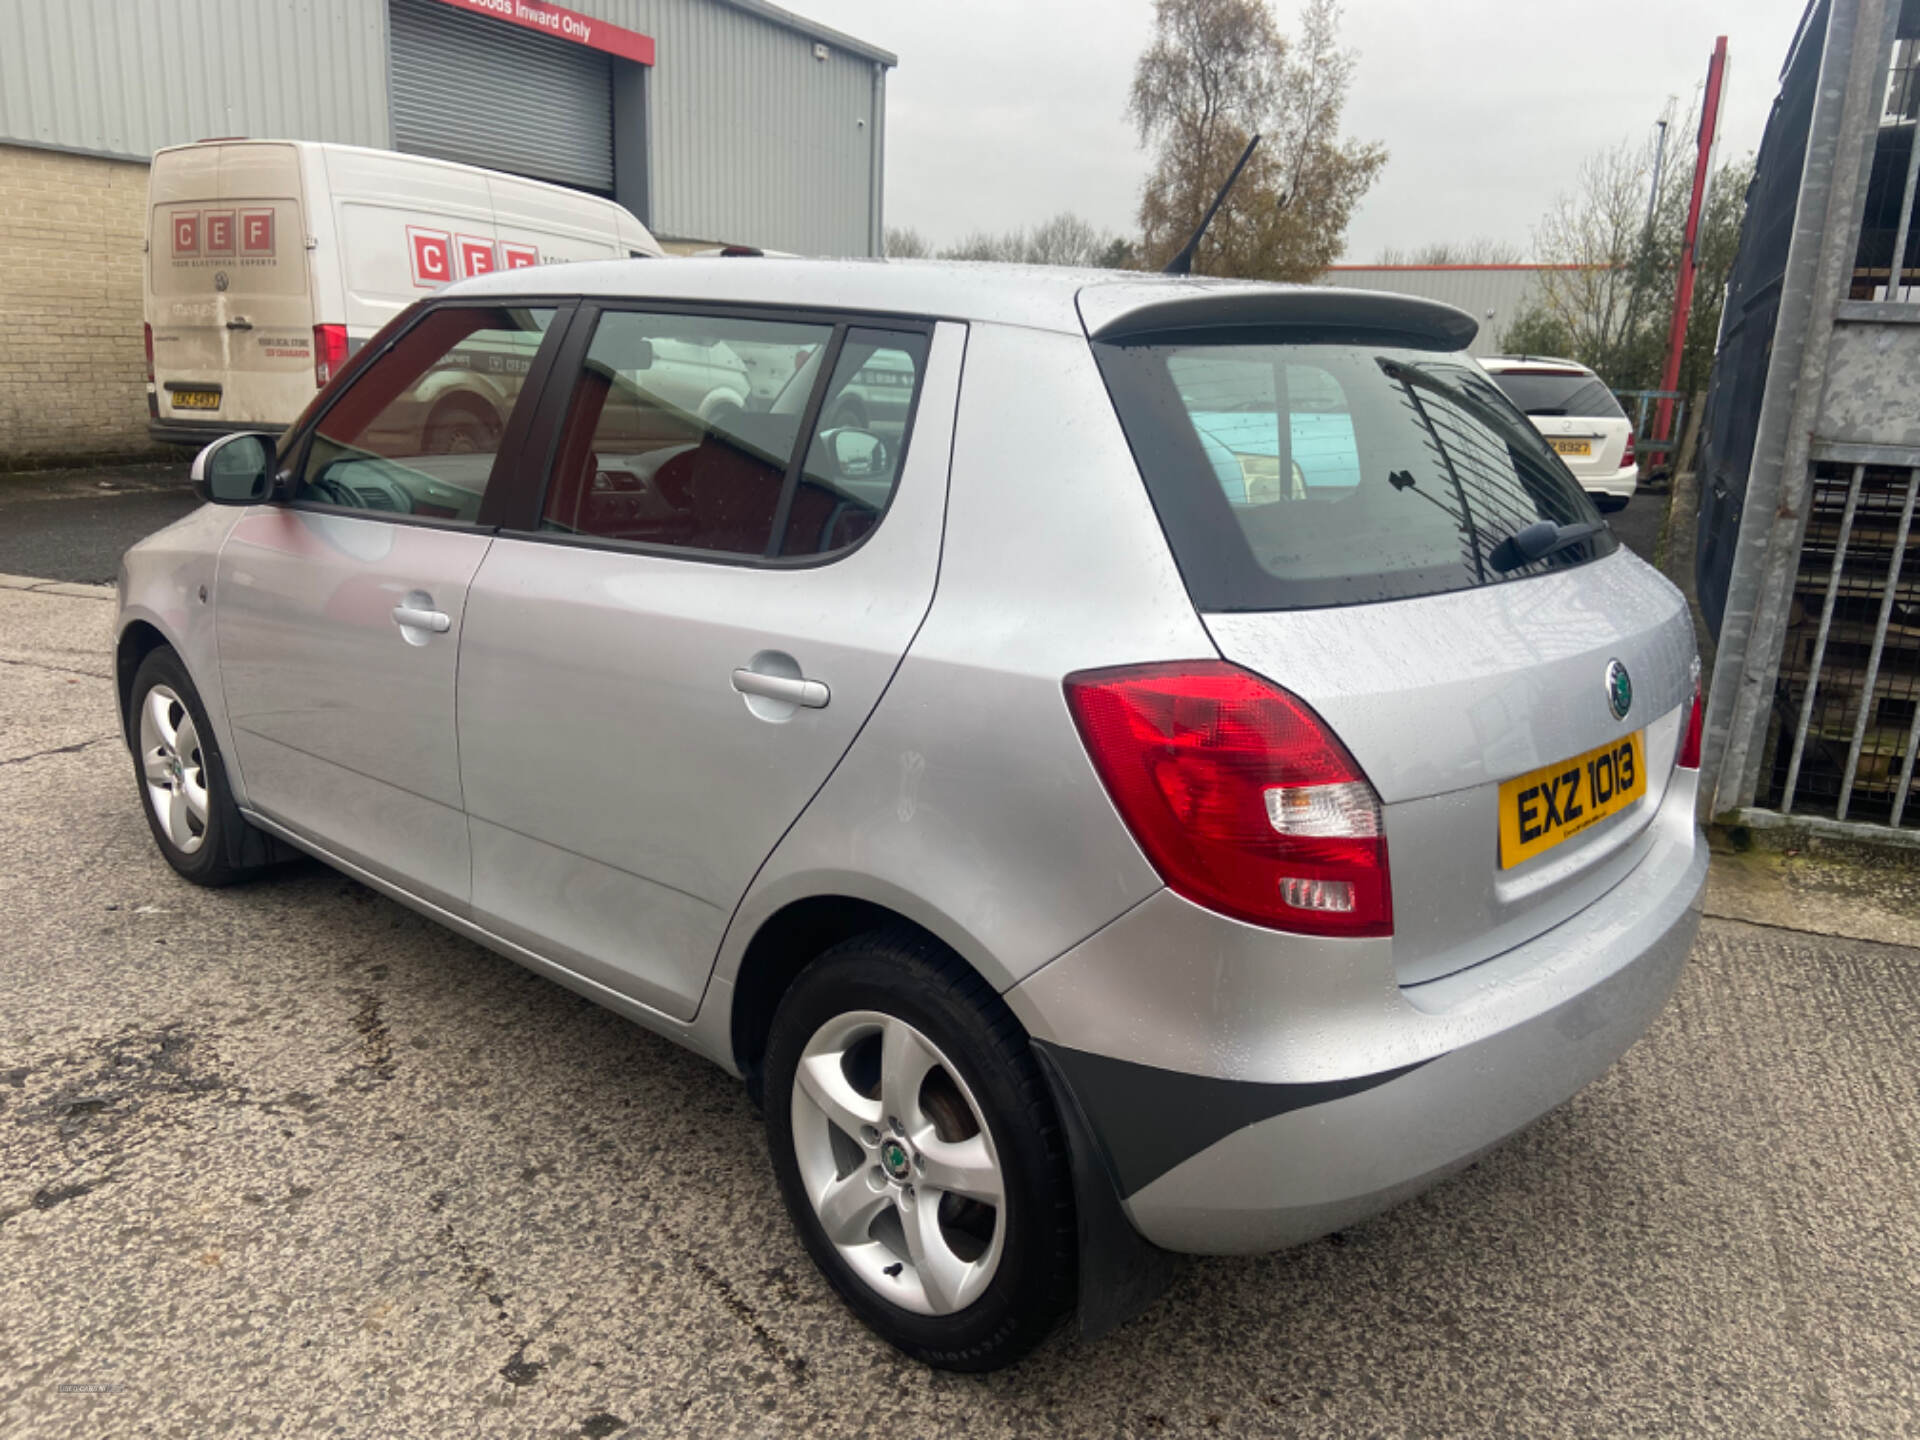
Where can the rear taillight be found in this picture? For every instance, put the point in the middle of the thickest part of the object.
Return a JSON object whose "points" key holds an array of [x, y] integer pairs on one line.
{"points": [[149, 330], [1239, 794], [1626, 456], [329, 352], [1689, 756]]}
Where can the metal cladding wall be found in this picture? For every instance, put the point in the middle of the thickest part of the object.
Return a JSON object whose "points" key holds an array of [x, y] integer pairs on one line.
{"points": [[751, 138], [124, 77], [1493, 294]]}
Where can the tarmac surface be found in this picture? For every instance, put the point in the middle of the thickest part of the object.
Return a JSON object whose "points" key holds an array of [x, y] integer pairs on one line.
{"points": [[288, 1160]]}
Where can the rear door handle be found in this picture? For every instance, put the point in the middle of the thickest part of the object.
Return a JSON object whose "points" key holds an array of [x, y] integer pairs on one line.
{"points": [[813, 694], [239, 322], [417, 619]]}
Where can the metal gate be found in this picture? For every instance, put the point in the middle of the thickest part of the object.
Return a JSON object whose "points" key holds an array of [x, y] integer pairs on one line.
{"points": [[481, 92], [1809, 557]]}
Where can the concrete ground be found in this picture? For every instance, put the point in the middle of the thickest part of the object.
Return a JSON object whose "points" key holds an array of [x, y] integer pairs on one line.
{"points": [[287, 1160]]}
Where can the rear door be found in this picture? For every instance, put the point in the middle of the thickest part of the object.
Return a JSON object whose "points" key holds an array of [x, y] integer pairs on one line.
{"points": [[1339, 512], [700, 609], [230, 298]]}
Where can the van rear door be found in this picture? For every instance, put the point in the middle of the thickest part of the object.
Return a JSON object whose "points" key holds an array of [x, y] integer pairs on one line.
{"points": [[228, 295]]}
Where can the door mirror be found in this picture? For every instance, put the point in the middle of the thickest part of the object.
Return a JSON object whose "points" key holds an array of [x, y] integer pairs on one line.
{"points": [[858, 454], [235, 469]]}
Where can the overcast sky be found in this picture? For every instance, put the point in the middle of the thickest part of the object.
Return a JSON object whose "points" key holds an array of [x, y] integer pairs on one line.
{"points": [[1004, 112]]}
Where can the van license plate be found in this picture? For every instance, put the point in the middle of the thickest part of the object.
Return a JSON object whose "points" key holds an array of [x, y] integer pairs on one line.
{"points": [[1572, 447], [195, 399], [1543, 807]]}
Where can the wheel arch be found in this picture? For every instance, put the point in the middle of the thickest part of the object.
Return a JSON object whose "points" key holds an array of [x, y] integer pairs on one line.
{"points": [[137, 640], [783, 944]]}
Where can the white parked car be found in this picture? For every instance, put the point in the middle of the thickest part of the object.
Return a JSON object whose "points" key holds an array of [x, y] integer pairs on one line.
{"points": [[1577, 413]]}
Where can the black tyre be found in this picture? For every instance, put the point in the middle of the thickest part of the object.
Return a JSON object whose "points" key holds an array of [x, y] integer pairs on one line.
{"points": [[183, 784], [918, 1152]]}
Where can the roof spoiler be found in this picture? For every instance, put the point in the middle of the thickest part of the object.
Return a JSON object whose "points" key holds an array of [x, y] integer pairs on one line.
{"points": [[1129, 310]]}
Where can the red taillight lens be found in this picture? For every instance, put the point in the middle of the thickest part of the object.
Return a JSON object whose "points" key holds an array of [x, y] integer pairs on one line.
{"points": [[329, 352], [1689, 757], [1626, 456], [1240, 795], [149, 330]]}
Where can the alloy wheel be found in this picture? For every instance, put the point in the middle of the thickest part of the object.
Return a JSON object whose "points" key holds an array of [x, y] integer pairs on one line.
{"points": [[896, 1159], [173, 770]]}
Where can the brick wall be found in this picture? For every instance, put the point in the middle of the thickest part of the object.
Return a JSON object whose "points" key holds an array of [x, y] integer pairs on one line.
{"points": [[72, 362]]}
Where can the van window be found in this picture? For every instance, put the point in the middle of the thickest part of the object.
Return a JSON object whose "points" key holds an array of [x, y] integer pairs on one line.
{"points": [[1306, 474], [417, 431]]}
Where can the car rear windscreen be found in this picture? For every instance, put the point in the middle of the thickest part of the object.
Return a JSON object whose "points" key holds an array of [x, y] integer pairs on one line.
{"points": [[1293, 475], [1547, 392]]}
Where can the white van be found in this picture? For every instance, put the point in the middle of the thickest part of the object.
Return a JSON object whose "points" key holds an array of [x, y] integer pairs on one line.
{"points": [[269, 262]]}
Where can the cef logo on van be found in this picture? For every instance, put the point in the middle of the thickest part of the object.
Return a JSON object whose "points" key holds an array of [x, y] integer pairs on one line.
{"points": [[439, 257], [219, 234]]}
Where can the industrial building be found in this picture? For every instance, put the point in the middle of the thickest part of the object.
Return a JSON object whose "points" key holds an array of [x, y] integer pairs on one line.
{"points": [[713, 121], [1495, 295]]}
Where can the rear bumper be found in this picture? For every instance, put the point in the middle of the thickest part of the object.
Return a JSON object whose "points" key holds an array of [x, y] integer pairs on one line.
{"points": [[1251, 1091], [1620, 485]]}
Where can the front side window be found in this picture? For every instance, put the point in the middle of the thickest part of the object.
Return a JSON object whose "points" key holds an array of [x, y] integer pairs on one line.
{"points": [[417, 432], [687, 431], [1291, 475]]}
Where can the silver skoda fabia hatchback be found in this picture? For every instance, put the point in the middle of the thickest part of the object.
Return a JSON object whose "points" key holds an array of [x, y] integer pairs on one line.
{"points": [[1119, 765]]}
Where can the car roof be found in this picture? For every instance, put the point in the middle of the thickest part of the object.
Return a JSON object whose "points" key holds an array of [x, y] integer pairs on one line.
{"points": [[1103, 303]]}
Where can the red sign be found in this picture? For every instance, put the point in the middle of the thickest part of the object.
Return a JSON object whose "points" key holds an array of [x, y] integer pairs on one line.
{"points": [[186, 233], [519, 257], [256, 232], [564, 25], [432, 257], [476, 256], [219, 225]]}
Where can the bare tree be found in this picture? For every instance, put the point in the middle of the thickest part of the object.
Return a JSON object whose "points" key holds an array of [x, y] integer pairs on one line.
{"points": [[1595, 233], [1480, 250], [1217, 72], [905, 244], [1066, 239]]}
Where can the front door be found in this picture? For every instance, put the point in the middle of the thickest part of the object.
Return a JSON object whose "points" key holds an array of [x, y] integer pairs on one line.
{"points": [[339, 613], [660, 671]]}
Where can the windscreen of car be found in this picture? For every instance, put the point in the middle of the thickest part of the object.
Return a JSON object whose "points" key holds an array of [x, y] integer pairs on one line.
{"points": [[1555, 392], [1293, 475]]}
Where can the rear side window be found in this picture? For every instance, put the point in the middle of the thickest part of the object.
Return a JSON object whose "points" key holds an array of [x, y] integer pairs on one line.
{"points": [[1293, 475], [1550, 392], [742, 437]]}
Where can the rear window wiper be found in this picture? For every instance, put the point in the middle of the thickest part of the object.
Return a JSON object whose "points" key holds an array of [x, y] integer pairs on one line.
{"points": [[1539, 540]]}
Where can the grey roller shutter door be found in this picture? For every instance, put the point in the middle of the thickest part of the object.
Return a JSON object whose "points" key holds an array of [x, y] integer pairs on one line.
{"points": [[486, 93]]}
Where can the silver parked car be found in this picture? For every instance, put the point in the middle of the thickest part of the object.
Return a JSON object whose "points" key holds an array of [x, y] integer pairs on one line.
{"points": [[1200, 776]]}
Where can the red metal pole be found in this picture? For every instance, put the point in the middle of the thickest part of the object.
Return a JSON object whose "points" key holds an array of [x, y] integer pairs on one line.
{"points": [[1683, 293]]}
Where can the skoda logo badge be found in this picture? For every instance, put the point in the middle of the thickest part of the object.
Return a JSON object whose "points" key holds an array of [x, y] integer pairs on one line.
{"points": [[893, 1155], [220, 280], [1619, 690]]}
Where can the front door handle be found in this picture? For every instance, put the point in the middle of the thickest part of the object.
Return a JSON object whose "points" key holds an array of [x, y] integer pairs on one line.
{"points": [[795, 690], [239, 322], [414, 618]]}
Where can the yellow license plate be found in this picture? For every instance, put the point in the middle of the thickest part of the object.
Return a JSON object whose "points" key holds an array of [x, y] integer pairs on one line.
{"points": [[195, 399], [1572, 447], [1543, 807]]}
